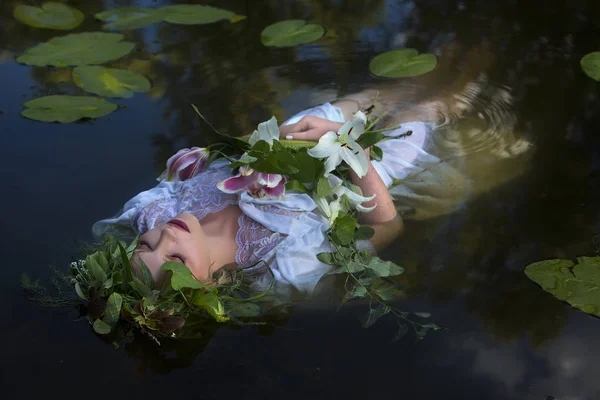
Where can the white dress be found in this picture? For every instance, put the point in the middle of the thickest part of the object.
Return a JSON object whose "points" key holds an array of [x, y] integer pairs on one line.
{"points": [[286, 233]]}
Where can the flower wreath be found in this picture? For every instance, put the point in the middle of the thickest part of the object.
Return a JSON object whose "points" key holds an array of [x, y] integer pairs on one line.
{"points": [[268, 167]]}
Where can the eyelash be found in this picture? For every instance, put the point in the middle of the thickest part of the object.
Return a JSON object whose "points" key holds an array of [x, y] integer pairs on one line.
{"points": [[174, 255]]}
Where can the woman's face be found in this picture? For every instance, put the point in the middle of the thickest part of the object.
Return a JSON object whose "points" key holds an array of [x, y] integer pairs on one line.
{"points": [[181, 240]]}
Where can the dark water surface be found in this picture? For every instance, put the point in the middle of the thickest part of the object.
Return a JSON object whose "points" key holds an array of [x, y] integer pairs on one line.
{"points": [[506, 339]]}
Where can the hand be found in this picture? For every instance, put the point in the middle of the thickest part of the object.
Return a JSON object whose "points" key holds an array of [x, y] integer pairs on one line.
{"points": [[308, 128]]}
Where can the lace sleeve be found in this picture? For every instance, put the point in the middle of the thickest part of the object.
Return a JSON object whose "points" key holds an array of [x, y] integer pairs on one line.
{"points": [[198, 196], [255, 241]]}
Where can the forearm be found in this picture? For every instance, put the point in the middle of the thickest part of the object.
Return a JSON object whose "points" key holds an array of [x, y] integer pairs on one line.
{"points": [[371, 184]]}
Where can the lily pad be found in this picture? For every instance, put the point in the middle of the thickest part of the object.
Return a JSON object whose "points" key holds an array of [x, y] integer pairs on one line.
{"points": [[577, 284], [50, 15], [292, 32], [402, 63], [590, 63], [110, 82], [191, 14], [77, 49], [129, 17], [66, 108]]}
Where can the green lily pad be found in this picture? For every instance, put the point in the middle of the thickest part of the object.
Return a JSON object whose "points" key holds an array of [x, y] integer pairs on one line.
{"points": [[129, 17], [66, 108], [110, 82], [77, 49], [402, 63], [590, 63], [191, 14], [292, 32], [578, 285], [50, 15]]}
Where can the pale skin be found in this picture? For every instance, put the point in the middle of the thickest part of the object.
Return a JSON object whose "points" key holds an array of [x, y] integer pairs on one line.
{"points": [[210, 243]]}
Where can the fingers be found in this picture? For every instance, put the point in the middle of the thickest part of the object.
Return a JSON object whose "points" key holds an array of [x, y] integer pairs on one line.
{"points": [[308, 128], [302, 125]]}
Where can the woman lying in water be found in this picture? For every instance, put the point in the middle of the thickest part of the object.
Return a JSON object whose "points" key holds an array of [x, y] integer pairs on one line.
{"points": [[210, 215], [208, 224]]}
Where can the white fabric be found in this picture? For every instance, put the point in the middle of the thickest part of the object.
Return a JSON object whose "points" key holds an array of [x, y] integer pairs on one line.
{"points": [[286, 233]]}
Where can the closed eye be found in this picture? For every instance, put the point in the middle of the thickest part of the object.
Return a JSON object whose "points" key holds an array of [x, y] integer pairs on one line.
{"points": [[178, 256], [142, 244]]}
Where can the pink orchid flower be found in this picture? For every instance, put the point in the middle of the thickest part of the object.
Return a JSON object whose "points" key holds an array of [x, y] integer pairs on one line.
{"points": [[185, 164], [258, 184]]}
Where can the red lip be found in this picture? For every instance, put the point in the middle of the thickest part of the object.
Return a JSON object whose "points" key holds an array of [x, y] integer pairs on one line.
{"points": [[179, 224]]}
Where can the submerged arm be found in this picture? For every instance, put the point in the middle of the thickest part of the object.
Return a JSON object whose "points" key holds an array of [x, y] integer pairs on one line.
{"points": [[384, 219]]}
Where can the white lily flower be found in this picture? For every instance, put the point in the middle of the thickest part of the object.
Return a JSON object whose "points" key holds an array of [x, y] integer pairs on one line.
{"points": [[332, 209], [267, 131], [342, 146]]}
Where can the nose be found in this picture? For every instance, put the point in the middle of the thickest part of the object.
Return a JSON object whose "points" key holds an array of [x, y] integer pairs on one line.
{"points": [[167, 238]]}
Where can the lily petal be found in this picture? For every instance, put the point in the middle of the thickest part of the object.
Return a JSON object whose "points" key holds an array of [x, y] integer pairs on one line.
{"points": [[182, 160], [335, 207], [355, 157], [276, 191], [328, 145], [353, 128], [246, 170], [365, 209], [333, 161], [236, 184], [267, 131], [194, 169], [354, 197], [269, 180]]}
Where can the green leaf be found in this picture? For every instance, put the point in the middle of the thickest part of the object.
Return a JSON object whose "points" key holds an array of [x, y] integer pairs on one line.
{"points": [[402, 64], [364, 232], [77, 49], [140, 287], [308, 167], [349, 267], [327, 258], [402, 330], [146, 275], [358, 292], [182, 276], [296, 185], [343, 231], [128, 273], [292, 32], [211, 303], [590, 63], [375, 314], [247, 159], [243, 309], [113, 309], [376, 153], [578, 285], [383, 268], [422, 314], [129, 17], [79, 291], [385, 290], [110, 82], [190, 14], [101, 327], [297, 144], [93, 266], [370, 138], [66, 109], [50, 15], [323, 187]]}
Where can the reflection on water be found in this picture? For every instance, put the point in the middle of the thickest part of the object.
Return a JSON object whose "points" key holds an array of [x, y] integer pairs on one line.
{"points": [[516, 119]]}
